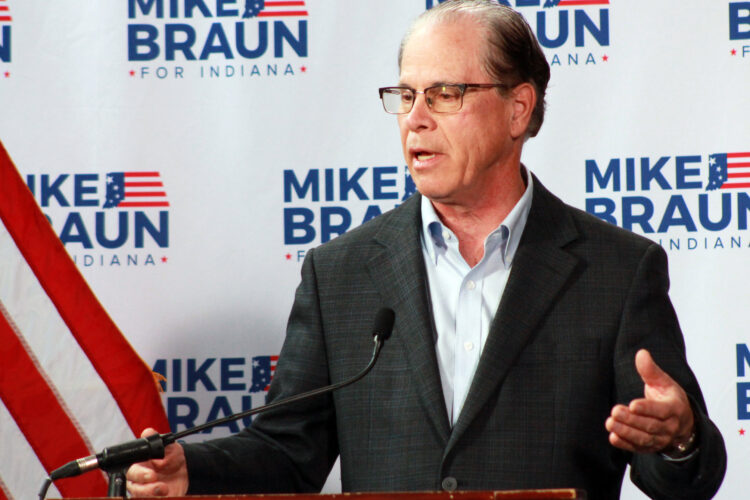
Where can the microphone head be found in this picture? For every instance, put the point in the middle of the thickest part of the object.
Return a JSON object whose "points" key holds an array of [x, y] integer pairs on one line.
{"points": [[383, 325]]}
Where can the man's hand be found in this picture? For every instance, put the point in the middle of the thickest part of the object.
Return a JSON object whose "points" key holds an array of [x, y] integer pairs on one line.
{"points": [[660, 420], [159, 477]]}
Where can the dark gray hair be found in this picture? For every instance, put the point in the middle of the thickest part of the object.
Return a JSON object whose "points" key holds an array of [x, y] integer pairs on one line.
{"points": [[513, 55]]}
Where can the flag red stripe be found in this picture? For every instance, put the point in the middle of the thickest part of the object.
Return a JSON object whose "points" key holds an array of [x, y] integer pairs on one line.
{"points": [[737, 155], [287, 13], [736, 176], [141, 174], [5, 18], [285, 4], [736, 185], [4, 494], [738, 165], [144, 193], [143, 204], [39, 414], [126, 375], [144, 184], [4, 8]]}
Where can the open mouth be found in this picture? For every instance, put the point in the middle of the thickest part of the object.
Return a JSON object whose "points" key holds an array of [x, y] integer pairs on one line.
{"points": [[424, 156]]}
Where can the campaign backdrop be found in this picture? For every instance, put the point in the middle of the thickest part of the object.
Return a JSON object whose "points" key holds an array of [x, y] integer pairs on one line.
{"points": [[188, 153]]}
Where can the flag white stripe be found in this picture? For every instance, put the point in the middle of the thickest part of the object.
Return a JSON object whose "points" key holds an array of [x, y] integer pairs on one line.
{"points": [[60, 357]]}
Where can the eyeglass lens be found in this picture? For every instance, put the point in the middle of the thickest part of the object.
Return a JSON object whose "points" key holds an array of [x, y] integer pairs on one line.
{"points": [[441, 99]]}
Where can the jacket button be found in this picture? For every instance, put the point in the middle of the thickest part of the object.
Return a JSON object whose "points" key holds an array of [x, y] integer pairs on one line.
{"points": [[449, 483]]}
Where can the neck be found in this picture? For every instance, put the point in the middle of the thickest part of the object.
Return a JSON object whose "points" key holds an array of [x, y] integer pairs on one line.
{"points": [[473, 222]]}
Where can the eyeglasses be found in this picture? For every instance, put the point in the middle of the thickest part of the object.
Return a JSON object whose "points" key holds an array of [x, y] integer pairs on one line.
{"points": [[439, 98]]}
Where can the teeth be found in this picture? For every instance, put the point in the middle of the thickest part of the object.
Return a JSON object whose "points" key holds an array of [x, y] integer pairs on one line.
{"points": [[425, 156]]}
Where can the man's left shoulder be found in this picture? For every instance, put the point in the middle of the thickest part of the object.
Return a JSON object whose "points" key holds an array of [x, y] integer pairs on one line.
{"points": [[583, 231]]}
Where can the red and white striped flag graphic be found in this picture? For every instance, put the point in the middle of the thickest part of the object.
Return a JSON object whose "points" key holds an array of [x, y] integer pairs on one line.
{"points": [[70, 383]]}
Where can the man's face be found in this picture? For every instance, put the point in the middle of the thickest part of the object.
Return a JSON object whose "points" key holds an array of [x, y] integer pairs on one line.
{"points": [[462, 157]]}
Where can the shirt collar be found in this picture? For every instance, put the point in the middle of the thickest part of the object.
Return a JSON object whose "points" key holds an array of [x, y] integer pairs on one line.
{"points": [[511, 227]]}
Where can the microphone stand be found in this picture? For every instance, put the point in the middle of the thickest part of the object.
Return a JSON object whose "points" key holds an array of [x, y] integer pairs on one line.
{"points": [[116, 460]]}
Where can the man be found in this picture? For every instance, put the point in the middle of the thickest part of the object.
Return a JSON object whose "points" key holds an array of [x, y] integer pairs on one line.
{"points": [[534, 345]]}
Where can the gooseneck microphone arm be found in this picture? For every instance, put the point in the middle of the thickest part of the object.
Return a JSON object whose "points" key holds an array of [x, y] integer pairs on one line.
{"points": [[116, 459]]}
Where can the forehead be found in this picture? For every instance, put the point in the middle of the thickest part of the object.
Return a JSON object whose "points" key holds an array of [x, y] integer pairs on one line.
{"points": [[448, 51]]}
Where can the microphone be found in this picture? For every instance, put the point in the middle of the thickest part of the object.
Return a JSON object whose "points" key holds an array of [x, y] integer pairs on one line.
{"points": [[114, 457], [118, 457]]}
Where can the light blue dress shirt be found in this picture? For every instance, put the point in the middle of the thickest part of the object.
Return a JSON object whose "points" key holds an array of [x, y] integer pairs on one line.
{"points": [[464, 299]]}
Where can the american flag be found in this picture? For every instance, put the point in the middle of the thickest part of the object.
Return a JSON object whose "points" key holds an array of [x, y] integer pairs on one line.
{"points": [[261, 8], [135, 190], [263, 369], [70, 383], [573, 3], [4, 12], [728, 171]]}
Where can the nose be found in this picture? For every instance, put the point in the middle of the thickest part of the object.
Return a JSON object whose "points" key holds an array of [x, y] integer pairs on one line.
{"points": [[420, 116]]}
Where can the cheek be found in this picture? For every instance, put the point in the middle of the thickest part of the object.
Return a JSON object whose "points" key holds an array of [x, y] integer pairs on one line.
{"points": [[402, 130]]}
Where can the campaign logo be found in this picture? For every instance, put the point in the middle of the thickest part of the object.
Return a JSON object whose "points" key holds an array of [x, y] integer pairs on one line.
{"points": [[5, 36], [180, 39], [684, 202], [743, 387], [199, 390], [320, 204], [574, 33], [117, 220], [135, 189], [729, 171], [739, 29]]}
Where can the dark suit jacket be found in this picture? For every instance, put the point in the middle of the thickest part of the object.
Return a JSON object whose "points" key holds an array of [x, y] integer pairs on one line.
{"points": [[582, 297]]}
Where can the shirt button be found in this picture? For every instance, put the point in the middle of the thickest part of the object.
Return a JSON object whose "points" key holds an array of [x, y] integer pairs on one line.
{"points": [[468, 346], [449, 484], [470, 285], [446, 235]]}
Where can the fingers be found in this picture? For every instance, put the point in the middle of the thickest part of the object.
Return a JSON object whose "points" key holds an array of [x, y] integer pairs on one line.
{"points": [[159, 477], [142, 481], [639, 433], [650, 408], [147, 490], [654, 422]]}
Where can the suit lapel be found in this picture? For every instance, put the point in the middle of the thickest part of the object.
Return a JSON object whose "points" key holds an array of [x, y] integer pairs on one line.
{"points": [[540, 269], [398, 271]]}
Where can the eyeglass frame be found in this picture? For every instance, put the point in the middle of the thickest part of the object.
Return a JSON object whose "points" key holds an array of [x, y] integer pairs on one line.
{"points": [[461, 86]]}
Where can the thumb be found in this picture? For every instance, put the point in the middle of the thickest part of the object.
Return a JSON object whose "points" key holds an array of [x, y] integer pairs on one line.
{"points": [[148, 431], [649, 371]]}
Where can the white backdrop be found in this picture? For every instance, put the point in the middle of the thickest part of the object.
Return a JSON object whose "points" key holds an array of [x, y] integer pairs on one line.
{"points": [[241, 135]]}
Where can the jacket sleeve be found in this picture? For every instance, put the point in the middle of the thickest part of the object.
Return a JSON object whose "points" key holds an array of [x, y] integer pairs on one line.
{"points": [[649, 321], [289, 449]]}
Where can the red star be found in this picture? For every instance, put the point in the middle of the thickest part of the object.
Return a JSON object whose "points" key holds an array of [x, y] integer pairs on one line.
{"points": [[288, 256], [734, 52], [132, 73], [742, 432], [303, 69], [164, 260], [7, 74], [605, 58]]}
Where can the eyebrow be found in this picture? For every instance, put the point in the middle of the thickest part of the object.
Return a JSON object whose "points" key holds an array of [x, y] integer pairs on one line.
{"points": [[433, 84]]}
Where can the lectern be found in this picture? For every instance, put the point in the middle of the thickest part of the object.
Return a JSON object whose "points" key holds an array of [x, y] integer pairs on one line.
{"points": [[555, 494]]}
